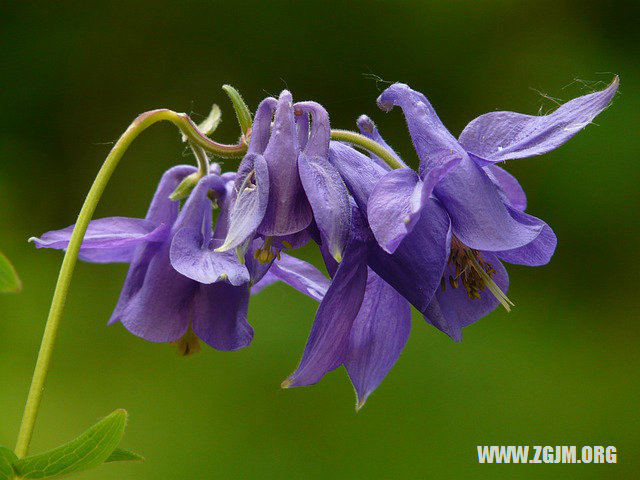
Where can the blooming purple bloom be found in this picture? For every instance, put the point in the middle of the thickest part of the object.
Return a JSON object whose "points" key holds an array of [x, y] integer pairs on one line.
{"points": [[484, 203], [177, 287], [285, 181]]}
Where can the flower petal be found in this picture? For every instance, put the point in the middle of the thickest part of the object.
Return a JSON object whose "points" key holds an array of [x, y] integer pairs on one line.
{"points": [[394, 207], [378, 335], [513, 193], [358, 171], [500, 136], [329, 201], [288, 210], [432, 140], [261, 127], [252, 185], [322, 183], [112, 239], [479, 217], [369, 130], [300, 275], [451, 309], [194, 258], [398, 198], [163, 210], [155, 303], [536, 253], [328, 341], [302, 127], [267, 280], [415, 268], [220, 316]]}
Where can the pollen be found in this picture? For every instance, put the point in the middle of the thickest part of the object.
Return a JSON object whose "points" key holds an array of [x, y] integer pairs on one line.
{"points": [[474, 272]]}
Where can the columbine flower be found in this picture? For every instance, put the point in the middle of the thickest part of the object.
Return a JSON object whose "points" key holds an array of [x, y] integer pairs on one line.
{"points": [[485, 203], [177, 289], [285, 182]]}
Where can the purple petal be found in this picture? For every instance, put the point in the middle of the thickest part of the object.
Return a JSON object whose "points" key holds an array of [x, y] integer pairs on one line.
{"points": [[267, 280], [394, 207], [226, 203], [261, 127], [415, 268], [396, 202], [163, 210], [536, 253], [288, 210], [302, 127], [513, 193], [220, 316], [160, 308], [359, 173], [432, 140], [452, 309], [479, 217], [500, 136], [378, 335], [292, 241], [369, 130], [300, 275], [329, 200], [194, 258], [328, 341], [112, 239], [248, 211], [322, 183]]}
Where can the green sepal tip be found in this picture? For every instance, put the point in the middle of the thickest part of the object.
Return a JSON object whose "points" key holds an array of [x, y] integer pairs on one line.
{"points": [[242, 110], [186, 186]]}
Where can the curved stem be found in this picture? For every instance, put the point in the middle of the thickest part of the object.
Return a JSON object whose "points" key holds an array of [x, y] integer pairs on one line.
{"points": [[368, 144], [190, 130], [68, 263], [202, 159]]}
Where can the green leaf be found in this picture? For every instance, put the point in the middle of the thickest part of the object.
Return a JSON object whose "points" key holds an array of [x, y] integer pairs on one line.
{"points": [[121, 455], [7, 457], [89, 450], [9, 281]]}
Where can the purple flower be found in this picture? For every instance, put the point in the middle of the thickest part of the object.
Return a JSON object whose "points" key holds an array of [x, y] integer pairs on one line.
{"points": [[484, 203], [285, 185], [177, 288]]}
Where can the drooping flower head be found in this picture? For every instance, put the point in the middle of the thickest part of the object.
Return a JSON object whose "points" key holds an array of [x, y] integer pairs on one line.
{"points": [[485, 203], [177, 288]]}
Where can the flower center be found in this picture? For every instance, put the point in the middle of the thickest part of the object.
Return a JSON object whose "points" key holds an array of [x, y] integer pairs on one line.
{"points": [[266, 254], [474, 272]]}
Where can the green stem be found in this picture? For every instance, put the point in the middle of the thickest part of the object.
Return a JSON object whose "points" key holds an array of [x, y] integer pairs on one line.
{"points": [[368, 144], [184, 123]]}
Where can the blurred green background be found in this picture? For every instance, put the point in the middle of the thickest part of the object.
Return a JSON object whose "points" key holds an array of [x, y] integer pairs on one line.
{"points": [[561, 369]]}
